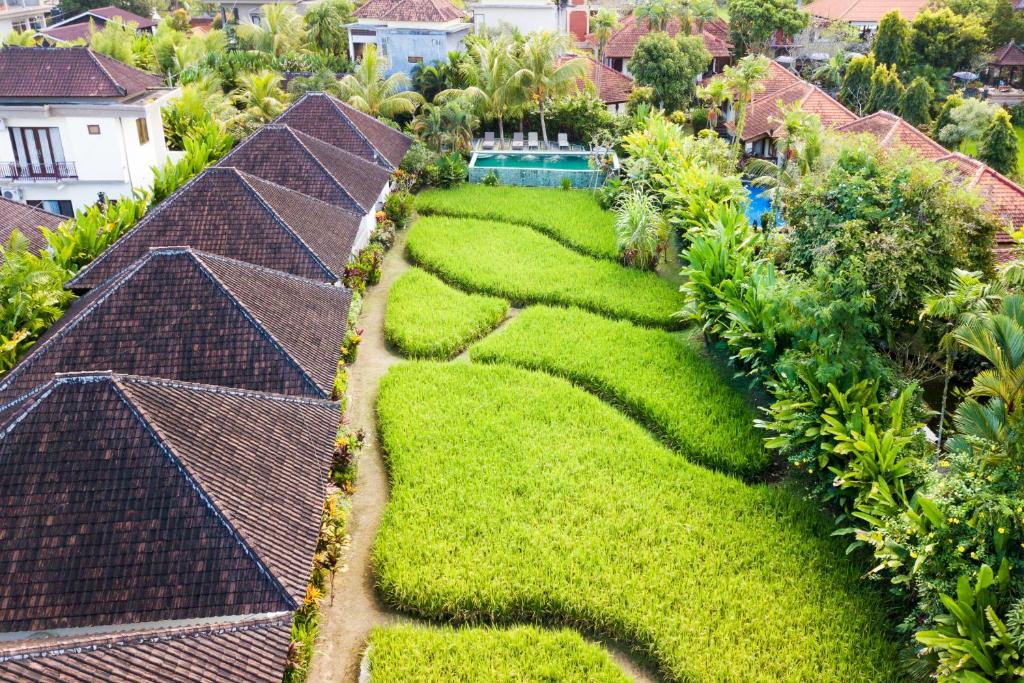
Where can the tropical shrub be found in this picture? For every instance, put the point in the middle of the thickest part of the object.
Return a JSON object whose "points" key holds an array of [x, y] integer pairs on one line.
{"points": [[398, 208], [452, 169], [77, 241]]}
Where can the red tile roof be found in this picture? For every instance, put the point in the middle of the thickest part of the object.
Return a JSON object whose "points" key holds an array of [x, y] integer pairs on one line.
{"points": [[196, 317], [891, 130], [227, 212], [867, 11], [242, 649], [127, 500], [1007, 55], [764, 114], [418, 11], [336, 123], [1002, 196], [68, 73], [615, 86], [27, 220], [623, 42], [294, 160]]}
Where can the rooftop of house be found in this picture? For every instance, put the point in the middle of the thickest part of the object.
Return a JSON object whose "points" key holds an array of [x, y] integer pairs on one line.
{"points": [[1002, 196], [196, 317], [231, 213], [299, 162], [70, 73], [238, 649], [863, 11], [623, 42], [27, 220], [764, 114], [1008, 55], [176, 501], [613, 87], [337, 123], [892, 130], [77, 27], [410, 11]]}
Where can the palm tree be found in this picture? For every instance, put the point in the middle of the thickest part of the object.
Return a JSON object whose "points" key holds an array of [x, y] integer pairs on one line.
{"points": [[744, 81], [21, 39], [704, 11], [603, 26], [260, 96], [830, 74], [370, 92], [429, 126], [799, 149], [541, 75], [657, 13], [716, 93], [489, 70], [325, 25], [280, 30]]}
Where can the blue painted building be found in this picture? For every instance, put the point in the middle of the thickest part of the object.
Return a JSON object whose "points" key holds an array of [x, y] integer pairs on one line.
{"points": [[408, 32]]}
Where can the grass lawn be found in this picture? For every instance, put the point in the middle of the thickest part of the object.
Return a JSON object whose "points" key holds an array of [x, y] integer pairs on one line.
{"points": [[518, 497], [401, 654], [572, 217], [519, 264], [426, 318], [657, 376]]}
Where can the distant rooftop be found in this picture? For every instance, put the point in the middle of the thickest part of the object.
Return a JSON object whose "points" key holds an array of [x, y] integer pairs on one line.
{"points": [[70, 73], [864, 11], [77, 27], [27, 220], [412, 11]]}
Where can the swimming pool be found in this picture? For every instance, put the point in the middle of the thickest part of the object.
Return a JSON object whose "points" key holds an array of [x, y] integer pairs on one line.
{"points": [[539, 169], [760, 203]]}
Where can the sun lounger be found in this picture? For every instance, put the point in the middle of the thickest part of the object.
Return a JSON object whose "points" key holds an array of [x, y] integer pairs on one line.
{"points": [[517, 140], [532, 142], [563, 141], [488, 140]]}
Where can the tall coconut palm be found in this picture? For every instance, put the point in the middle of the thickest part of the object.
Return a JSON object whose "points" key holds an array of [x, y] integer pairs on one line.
{"points": [[325, 25], [603, 26], [657, 13], [370, 92], [704, 11], [541, 75], [830, 74], [280, 30], [259, 95], [488, 71], [799, 148], [715, 94], [744, 80]]}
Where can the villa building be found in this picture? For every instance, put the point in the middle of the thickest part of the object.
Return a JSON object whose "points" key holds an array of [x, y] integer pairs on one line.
{"points": [[251, 12], [407, 32], [611, 87], [91, 130], [864, 15], [622, 45], [24, 15], [79, 26], [527, 16]]}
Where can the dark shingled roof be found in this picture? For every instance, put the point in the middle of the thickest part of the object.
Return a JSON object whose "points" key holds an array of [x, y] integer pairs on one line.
{"points": [[250, 650], [347, 128], [77, 27], [302, 163], [68, 73], [197, 317], [226, 212], [418, 11], [127, 500], [28, 220]]}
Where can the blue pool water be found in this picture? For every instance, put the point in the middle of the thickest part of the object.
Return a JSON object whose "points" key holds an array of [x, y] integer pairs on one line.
{"points": [[760, 203]]}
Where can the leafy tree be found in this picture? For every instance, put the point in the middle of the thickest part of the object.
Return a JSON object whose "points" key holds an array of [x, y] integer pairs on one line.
{"points": [[892, 42], [370, 92], [21, 39], [998, 146], [323, 80], [886, 90], [968, 121], [178, 21], [830, 74], [541, 75], [114, 40], [943, 39], [1005, 25], [945, 117], [657, 13], [670, 67], [856, 88], [752, 23], [582, 116], [916, 103], [325, 25]]}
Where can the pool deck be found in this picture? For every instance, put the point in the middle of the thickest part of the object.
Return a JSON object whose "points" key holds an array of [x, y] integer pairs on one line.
{"points": [[506, 146]]}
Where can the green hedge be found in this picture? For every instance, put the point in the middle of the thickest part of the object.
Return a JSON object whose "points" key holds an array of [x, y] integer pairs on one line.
{"points": [[518, 497], [410, 654], [658, 377], [570, 217], [518, 264], [426, 318]]}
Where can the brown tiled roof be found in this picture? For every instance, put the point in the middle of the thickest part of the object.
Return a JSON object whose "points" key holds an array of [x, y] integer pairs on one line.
{"points": [[70, 72], [224, 211], [302, 163], [623, 42], [892, 130], [615, 85], [764, 114], [336, 123], [127, 500], [196, 317], [1002, 196], [1007, 55], [28, 221], [105, 14], [250, 650], [422, 11], [71, 32], [863, 10]]}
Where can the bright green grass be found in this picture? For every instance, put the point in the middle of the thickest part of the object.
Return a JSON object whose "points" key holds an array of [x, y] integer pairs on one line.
{"points": [[521, 265], [517, 497], [571, 217], [658, 377], [412, 654], [426, 318]]}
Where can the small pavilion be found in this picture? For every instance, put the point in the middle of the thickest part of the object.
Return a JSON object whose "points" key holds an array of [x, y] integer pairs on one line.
{"points": [[1005, 64]]}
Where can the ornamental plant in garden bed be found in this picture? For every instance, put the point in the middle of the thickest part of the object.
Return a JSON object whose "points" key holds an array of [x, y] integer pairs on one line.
{"points": [[573, 218], [570, 513], [404, 654], [426, 318], [659, 377], [516, 263]]}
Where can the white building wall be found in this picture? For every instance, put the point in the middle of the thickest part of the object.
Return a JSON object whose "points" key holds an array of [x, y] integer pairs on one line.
{"points": [[525, 16], [369, 222]]}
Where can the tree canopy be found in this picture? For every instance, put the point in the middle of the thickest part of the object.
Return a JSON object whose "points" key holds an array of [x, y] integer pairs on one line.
{"points": [[753, 23], [670, 67]]}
